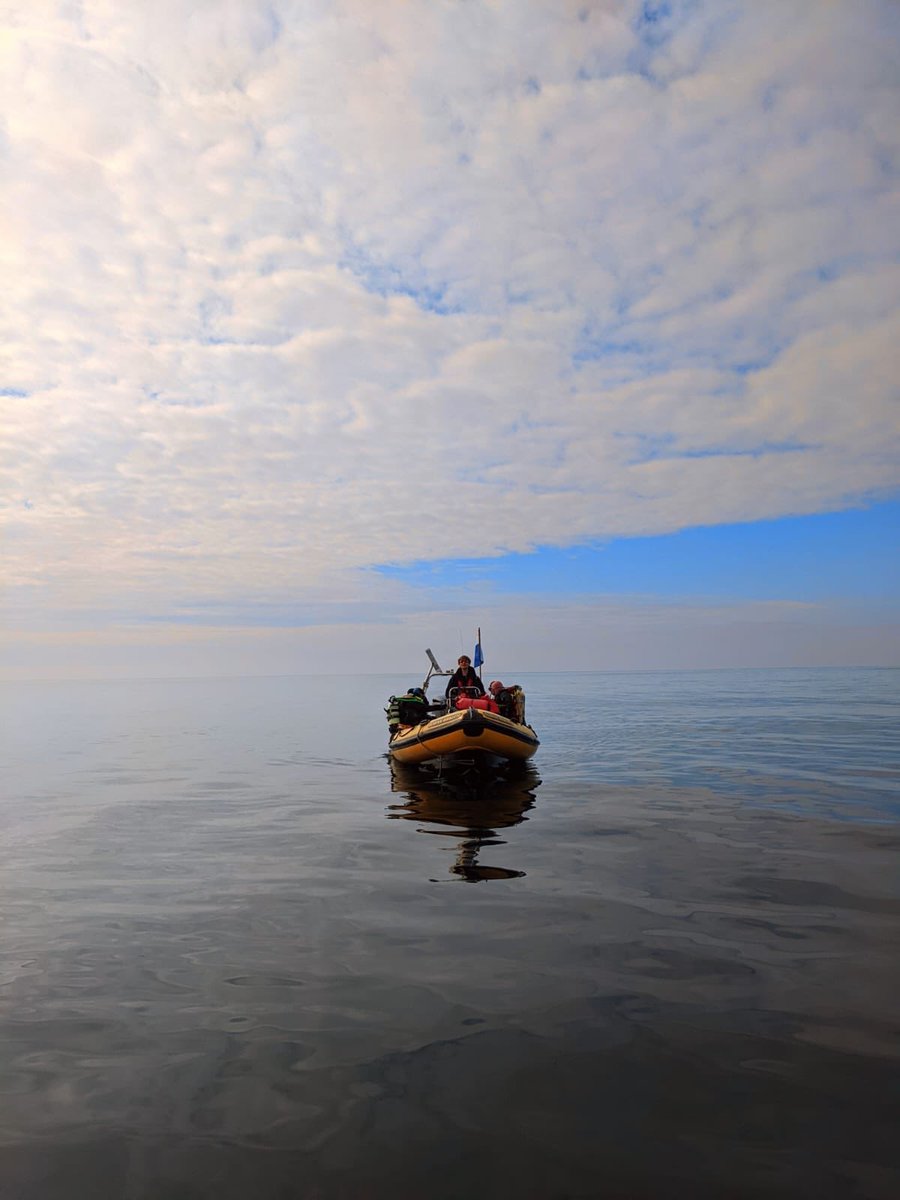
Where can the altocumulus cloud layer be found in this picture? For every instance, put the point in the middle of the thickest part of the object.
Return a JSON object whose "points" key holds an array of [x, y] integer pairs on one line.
{"points": [[284, 283]]}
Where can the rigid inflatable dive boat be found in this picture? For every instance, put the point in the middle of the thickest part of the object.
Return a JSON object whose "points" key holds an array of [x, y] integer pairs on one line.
{"points": [[458, 729]]}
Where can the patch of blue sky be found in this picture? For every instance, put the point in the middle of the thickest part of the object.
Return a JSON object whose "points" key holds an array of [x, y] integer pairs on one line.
{"points": [[16, 393], [657, 22], [750, 365], [589, 348], [848, 555], [765, 448], [625, 347], [389, 279], [653, 24]]}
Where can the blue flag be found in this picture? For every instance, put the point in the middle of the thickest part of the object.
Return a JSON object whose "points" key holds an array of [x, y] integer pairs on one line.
{"points": [[479, 657]]}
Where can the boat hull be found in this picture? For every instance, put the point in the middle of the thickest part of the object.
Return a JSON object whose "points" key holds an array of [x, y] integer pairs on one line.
{"points": [[473, 733]]}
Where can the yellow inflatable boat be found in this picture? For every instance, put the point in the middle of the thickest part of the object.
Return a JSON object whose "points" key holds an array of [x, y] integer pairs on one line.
{"points": [[440, 733]]}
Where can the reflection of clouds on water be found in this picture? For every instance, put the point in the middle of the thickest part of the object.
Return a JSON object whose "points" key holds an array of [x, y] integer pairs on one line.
{"points": [[478, 805]]}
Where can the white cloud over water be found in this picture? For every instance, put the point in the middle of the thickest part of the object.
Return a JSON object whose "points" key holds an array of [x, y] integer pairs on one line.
{"points": [[292, 289]]}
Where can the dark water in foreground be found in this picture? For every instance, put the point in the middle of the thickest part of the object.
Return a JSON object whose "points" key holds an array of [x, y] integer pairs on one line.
{"points": [[240, 959]]}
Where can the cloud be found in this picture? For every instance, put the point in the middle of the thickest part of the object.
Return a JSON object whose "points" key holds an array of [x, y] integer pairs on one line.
{"points": [[295, 289]]}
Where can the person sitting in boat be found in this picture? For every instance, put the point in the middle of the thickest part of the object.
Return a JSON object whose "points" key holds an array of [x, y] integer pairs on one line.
{"points": [[504, 698], [465, 677]]}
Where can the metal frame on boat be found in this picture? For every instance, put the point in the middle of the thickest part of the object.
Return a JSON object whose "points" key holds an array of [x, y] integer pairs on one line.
{"points": [[438, 733]]}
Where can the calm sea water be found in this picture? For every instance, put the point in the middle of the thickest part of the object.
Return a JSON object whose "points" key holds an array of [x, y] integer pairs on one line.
{"points": [[241, 957]]}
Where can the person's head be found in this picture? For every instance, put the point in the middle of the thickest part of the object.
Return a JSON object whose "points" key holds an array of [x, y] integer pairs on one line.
{"points": [[495, 686], [464, 662]]}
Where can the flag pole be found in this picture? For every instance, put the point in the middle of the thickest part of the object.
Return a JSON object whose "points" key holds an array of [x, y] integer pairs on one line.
{"points": [[478, 654]]}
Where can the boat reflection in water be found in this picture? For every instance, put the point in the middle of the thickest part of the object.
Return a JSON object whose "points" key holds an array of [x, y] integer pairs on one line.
{"points": [[476, 804]]}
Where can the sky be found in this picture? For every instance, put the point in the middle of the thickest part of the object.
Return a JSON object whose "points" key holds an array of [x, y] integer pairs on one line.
{"points": [[335, 329]]}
